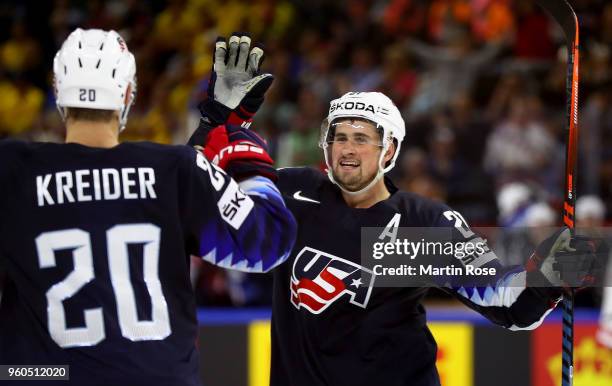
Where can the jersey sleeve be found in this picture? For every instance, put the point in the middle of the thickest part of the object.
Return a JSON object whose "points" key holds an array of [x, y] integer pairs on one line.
{"points": [[243, 226], [504, 297]]}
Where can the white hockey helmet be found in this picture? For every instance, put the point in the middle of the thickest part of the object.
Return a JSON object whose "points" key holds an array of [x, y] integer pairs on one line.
{"points": [[94, 69], [375, 107]]}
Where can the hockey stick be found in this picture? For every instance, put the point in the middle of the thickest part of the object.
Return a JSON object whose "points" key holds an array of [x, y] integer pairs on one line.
{"points": [[563, 13]]}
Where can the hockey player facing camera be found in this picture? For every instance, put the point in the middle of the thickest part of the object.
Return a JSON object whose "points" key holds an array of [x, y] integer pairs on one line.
{"points": [[330, 324], [97, 235]]}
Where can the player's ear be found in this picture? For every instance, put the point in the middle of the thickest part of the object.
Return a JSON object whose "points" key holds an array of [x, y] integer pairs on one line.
{"points": [[389, 153]]}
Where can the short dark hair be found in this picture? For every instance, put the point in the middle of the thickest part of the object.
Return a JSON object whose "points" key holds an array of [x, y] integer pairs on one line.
{"points": [[94, 115]]}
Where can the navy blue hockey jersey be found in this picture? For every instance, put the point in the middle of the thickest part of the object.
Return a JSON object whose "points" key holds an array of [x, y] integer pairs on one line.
{"points": [[330, 327], [97, 244]]}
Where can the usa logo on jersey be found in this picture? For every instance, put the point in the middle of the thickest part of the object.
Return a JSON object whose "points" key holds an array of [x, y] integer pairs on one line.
{"points": [[319, 279]]}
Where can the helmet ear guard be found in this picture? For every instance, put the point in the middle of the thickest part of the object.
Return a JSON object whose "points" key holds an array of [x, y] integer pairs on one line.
{"points": [[370, 106], [95, 70], [130, 97]]}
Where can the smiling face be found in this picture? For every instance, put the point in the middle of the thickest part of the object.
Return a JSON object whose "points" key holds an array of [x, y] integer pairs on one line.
{"points": [[354, 150]]}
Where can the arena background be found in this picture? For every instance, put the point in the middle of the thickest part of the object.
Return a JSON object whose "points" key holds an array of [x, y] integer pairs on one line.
{"points": [[480, 83]]}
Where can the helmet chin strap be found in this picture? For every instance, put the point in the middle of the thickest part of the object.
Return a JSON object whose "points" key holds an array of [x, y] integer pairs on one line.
{"points": [[377, 177]]}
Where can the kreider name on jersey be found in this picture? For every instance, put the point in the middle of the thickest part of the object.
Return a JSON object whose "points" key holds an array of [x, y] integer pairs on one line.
{"points": [[95, 184]]}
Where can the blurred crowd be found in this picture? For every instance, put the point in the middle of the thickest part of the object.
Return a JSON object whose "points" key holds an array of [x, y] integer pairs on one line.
{"points": [[480, 83]]}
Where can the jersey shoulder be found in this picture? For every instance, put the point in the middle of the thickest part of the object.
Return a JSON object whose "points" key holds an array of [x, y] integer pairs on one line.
{"points": [[421, 211], [14, 148], [181, 151], [13, 153], [9, 148], [293, 179], [10, 153], [183, 156]]}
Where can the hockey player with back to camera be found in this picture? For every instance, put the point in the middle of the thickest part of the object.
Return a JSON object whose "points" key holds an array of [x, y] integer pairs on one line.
{"points": [[329, 325], [97, 235]]}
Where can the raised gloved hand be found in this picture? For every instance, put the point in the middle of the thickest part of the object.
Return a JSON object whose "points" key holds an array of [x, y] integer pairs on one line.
{"points": [[235, 89], [239, 151], [569, 261]]}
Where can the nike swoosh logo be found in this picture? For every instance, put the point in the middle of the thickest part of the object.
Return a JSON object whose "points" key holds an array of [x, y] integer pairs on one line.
{"points": [[298, 196]]}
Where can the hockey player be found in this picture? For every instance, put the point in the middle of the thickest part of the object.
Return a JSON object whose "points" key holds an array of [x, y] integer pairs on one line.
{"points": [[97, 235], [330, 324]]}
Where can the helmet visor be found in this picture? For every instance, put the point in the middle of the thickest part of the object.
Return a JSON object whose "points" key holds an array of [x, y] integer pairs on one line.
{"points": [[359, 135]]}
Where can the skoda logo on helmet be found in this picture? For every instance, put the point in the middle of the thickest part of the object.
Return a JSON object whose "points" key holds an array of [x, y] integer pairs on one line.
{"points": [[350, 105]]}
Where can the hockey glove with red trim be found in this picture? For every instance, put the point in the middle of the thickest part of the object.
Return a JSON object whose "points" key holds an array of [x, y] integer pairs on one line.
{"points": [[239, 151]]}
